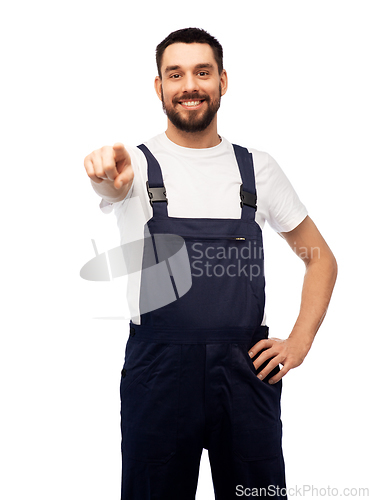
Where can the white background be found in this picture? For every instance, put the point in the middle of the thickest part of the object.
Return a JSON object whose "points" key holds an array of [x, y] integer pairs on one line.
{"points": [[77, 75]]}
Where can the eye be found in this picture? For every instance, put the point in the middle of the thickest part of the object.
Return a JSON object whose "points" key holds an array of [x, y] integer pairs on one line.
{"points": [[202, 73], [175, 76]]}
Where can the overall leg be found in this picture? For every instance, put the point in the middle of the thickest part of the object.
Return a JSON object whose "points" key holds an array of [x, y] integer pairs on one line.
{"points": [[243, 426], [162, 420]]}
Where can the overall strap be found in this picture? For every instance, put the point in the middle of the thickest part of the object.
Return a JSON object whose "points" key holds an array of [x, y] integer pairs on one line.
{"points": [[248, 195], [155, 185]]}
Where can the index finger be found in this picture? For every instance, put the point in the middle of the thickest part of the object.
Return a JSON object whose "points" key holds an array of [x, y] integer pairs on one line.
{"points": [[121, 153], [262, 344]]}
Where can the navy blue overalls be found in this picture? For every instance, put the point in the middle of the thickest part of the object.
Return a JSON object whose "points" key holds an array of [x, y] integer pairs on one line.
{"points": [[188, 381]]}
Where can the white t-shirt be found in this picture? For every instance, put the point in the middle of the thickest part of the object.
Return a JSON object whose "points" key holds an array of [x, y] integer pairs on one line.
{"points": [[202, 183]]}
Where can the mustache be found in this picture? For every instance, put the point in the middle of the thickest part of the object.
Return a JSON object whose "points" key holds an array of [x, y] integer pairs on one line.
{"points": [[192, 96]]}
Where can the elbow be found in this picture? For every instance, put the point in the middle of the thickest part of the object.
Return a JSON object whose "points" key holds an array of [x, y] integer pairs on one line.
{"points": [[334, 265], [329, 267], [326, 263]]}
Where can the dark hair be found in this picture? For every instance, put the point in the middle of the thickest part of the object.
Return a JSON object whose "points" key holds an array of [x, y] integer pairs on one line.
{"points": [[190, 35]]}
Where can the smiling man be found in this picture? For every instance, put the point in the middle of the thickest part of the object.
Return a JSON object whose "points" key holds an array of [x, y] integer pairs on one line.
{"points": [[203, 103], [202, 372]]}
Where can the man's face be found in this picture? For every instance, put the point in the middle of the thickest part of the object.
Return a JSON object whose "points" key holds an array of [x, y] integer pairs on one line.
{"points": [[191, 86]]}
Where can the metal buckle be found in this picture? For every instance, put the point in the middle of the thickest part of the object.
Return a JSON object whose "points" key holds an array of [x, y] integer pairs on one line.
{"points": [[156, 194]]}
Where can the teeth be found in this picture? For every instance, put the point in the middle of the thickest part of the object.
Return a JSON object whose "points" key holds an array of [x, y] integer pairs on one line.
{"points": [[191, 103]]}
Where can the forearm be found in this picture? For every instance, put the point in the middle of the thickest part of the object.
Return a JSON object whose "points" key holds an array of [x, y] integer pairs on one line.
{"points": [[317, 289], [318, 284]]}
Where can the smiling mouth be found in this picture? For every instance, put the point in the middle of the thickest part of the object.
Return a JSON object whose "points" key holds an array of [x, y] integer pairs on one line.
{"points": [[196, 104]]}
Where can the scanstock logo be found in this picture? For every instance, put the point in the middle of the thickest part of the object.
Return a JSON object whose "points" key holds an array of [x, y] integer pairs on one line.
{"points": [[162, 259]]}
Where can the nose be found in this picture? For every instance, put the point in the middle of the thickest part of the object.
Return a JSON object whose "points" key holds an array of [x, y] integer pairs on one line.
{"points": [[189, 83]]}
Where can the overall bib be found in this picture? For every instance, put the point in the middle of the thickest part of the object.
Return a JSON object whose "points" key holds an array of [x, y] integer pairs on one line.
{"points": [[188, 381]]}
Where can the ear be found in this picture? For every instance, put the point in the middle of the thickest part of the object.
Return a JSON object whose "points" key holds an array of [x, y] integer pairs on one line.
{"points": [[158, 86], [223, 82]]}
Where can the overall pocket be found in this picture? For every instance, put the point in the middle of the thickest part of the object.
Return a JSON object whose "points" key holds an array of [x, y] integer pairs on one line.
{"points": [[257, 428], [150, 400]]}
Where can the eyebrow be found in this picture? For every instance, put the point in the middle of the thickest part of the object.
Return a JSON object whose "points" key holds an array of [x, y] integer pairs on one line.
{"points": [[198, 66]]}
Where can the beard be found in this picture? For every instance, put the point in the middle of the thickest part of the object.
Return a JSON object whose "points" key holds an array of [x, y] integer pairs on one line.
{"points": [[195, 121]]}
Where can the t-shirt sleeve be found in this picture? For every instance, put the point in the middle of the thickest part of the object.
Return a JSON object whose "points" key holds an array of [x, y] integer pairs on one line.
{"points": [[285, 209], [107, 207]]}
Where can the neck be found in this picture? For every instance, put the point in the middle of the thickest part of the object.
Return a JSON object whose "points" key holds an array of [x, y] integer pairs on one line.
{"points": [[208, 138]]}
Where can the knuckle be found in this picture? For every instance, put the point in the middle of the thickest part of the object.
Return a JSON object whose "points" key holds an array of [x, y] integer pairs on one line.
{"points": [[106, 150], [88, 163]]}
